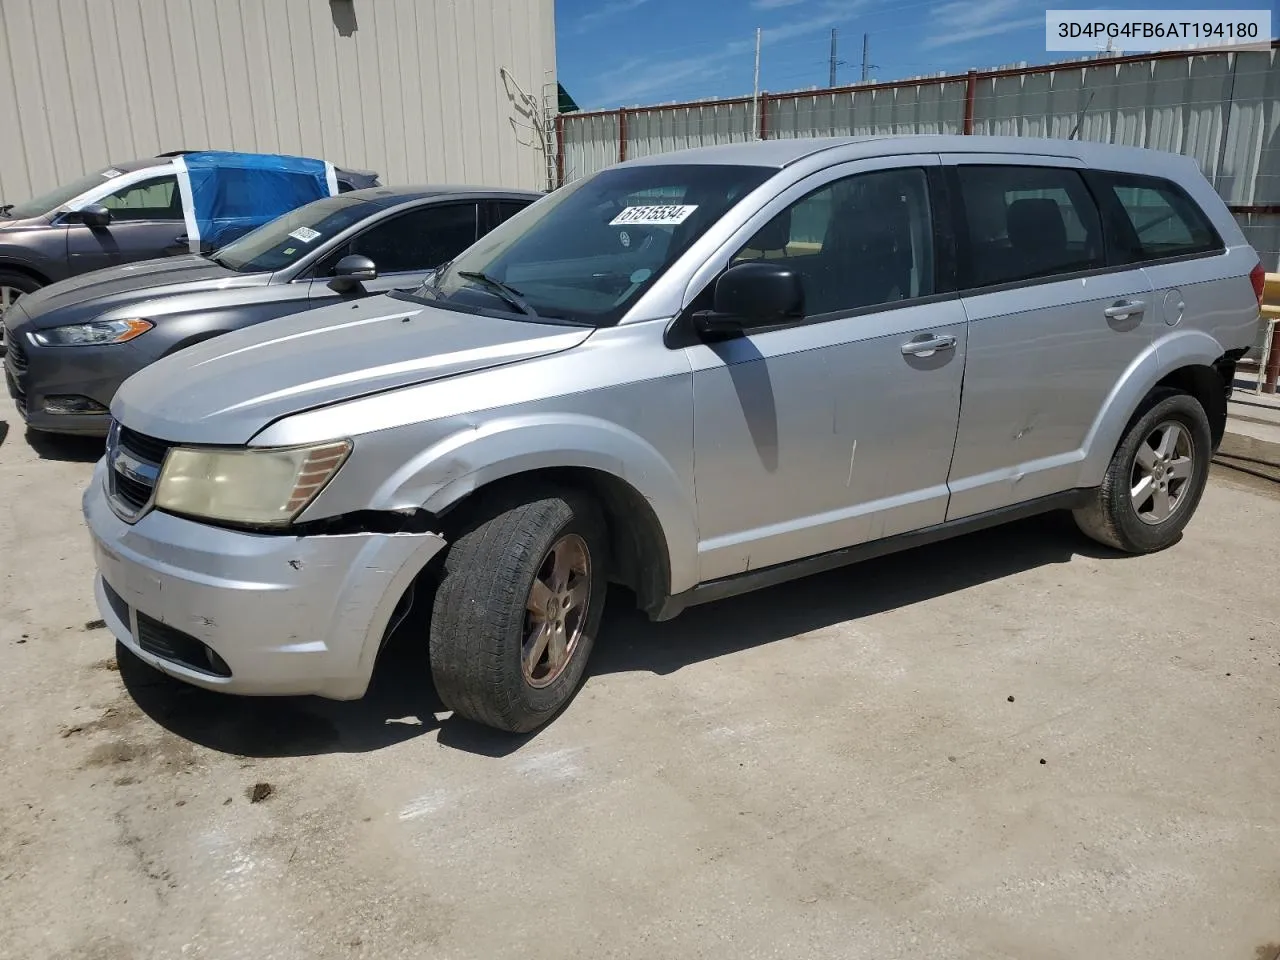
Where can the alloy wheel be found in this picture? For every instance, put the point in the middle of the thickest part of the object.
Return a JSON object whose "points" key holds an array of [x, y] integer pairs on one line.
{"points": [[1162, 471], [556, 610]]}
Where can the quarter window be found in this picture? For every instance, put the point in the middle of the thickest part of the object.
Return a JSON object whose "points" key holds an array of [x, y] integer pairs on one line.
{"points": [[156, 199], [1027, 223], [1159, 220], [859, 242]]}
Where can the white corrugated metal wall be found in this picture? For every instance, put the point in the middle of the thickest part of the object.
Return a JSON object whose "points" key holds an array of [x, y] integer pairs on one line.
{"points": [[1182, 104], [410, 88]]}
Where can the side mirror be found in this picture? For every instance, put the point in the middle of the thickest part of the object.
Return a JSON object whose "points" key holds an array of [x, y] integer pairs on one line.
{"points": [[752, 295], [351, 271], [93, 215]]}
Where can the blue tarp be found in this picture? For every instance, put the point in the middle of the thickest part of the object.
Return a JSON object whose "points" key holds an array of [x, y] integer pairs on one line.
{"points": [[233, 193]]}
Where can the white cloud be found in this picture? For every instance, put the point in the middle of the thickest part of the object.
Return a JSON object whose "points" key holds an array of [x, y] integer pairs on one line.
{"points": [[638, 80], [961, 20], [606, 10], [773, 4]]}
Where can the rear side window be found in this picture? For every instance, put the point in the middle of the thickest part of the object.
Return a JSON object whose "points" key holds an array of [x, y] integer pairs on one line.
{"points": [[1026, 223], [504, 210], [1155, 219]]}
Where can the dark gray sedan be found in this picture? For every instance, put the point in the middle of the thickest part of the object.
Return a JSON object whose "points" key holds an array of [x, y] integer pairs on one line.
{"points": [[73, 343]]}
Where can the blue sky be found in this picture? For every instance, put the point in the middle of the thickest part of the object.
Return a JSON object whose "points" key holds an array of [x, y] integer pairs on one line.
{"points": [[614, 53]]}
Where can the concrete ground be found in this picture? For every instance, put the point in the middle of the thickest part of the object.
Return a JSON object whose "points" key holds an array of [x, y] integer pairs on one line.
{"points": [[1014, 745]]}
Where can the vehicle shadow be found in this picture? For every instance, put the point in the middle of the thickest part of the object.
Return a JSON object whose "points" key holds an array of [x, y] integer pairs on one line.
{"points": [[68, 449], [402, 704], [630, 642]]}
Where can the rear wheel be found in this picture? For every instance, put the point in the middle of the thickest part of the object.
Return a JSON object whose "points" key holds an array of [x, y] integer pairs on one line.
{"points": [[1155, 479], [517, 610]]}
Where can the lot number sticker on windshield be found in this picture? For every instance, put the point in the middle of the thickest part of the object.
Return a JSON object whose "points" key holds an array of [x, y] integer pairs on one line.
{"points": [[305, 234], [653, 216]]}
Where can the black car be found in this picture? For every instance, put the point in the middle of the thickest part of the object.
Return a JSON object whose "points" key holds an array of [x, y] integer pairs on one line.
{"points": [[73, 343]]}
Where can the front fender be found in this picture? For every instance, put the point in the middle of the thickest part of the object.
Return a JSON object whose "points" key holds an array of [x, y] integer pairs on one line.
{"points": [[467, 460], [1180, 348], [24, 260]]}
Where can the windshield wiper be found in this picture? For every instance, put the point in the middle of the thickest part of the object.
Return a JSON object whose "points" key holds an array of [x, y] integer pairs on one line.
{"points": [[510, 294]]}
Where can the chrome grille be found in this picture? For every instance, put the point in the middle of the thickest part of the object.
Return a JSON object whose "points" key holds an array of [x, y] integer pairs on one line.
{"points": [[133, 467]]}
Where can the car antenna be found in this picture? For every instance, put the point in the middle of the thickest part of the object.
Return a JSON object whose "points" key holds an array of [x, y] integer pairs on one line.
{"points": [[1080, 117]]}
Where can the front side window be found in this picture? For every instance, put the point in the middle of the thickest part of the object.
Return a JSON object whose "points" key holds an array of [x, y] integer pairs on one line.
{"points": [[863, 241], [418, 240], [156, 199], [287, 239], [588, 251], [1027, 223], [1159, 221]]}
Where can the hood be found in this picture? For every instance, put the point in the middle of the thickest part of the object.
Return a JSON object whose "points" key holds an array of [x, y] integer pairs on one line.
{"points": [[227, 389], [23, 223], [130, 283]]}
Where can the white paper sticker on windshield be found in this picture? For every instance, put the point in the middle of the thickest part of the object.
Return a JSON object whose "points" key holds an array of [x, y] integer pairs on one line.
{"points": [[655, 216], [305, 234], [112, 172]]}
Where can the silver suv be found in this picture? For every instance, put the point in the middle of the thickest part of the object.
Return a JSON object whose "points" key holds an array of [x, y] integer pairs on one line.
{"points": [[693, 375]]}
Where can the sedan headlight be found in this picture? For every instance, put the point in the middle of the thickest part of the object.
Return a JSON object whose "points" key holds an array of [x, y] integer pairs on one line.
{"points": [[92, 334], [266, 487]]}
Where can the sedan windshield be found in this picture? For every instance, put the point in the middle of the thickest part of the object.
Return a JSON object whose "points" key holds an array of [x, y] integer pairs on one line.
{"points": [[47, 202], [285, 240], [588, 251]]}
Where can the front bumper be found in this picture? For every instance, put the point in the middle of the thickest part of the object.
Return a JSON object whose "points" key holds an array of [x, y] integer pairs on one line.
{"points": [[35, 374], [282, 614]]}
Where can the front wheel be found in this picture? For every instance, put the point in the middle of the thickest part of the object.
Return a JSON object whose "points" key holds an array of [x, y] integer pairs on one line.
{"points": [[12, 286], [517, 610], [1155, 479]]}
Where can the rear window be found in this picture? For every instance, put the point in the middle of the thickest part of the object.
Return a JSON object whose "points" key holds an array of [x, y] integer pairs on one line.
{"points": [[1157, 219], [1027, 223]]}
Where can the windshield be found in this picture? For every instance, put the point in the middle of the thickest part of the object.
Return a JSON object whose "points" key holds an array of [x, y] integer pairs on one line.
{"points": [[285, 240], [38, 206], [588, 251]]}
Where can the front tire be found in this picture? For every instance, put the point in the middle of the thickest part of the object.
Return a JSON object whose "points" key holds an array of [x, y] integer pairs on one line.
{"points": [[1155, 479], [12, 287], [517, 610]]}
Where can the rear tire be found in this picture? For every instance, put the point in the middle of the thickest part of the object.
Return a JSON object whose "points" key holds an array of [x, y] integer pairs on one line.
{"points": [[1155, 479], [517, 610]]}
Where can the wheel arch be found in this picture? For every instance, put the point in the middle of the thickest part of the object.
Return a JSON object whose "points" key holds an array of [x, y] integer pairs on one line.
{"points": [[26, 270], [1191, 361], [647, 499], [639, 556]]}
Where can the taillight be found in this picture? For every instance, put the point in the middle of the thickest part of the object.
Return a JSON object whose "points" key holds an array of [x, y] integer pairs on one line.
{"points": [[1258, 277]]}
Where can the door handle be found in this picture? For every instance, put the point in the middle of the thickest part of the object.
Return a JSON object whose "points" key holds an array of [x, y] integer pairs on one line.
{"points": [[1124, 309], [182, 241], [928, 346]]}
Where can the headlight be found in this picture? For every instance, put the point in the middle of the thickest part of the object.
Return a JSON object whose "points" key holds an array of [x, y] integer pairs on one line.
{"points": [[91, 334], [267, 487]]}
